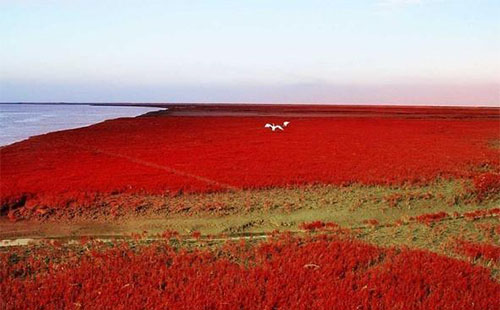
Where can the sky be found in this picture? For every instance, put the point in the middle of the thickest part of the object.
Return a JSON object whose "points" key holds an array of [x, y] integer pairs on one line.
{"points": [[429, 52]]}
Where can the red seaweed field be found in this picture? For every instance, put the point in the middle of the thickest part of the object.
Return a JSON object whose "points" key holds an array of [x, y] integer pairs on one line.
{"points": [[197, 154], [202, 207], [315, 272]]}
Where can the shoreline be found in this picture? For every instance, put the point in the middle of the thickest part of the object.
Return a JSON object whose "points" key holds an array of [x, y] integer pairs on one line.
{"points": [[21, 122]]}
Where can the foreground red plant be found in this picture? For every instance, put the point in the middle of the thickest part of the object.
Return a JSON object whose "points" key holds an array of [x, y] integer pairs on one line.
{"points": [[430, 218], [487, 184], [475, 250], [161, 155], [315, 272]]}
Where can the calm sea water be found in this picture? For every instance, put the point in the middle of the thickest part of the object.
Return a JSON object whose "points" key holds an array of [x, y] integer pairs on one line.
{"points": [[21, 121]]}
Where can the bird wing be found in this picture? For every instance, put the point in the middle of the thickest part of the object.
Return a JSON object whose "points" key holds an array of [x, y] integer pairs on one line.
{"points": [[268, 125], [286, 123], [279, 127]]}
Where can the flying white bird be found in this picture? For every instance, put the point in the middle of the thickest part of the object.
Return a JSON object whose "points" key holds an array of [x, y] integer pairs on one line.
{"points": [[273, 127]]}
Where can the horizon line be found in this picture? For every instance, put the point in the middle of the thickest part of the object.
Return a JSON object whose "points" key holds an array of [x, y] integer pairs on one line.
{"points": [[164, 104]]}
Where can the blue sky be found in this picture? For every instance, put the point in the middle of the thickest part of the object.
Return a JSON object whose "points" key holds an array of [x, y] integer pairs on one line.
{"points": [[377, 51]]}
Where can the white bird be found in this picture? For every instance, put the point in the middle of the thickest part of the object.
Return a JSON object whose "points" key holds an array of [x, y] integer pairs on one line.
{"points": [[273, 127], [286, 123]]}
